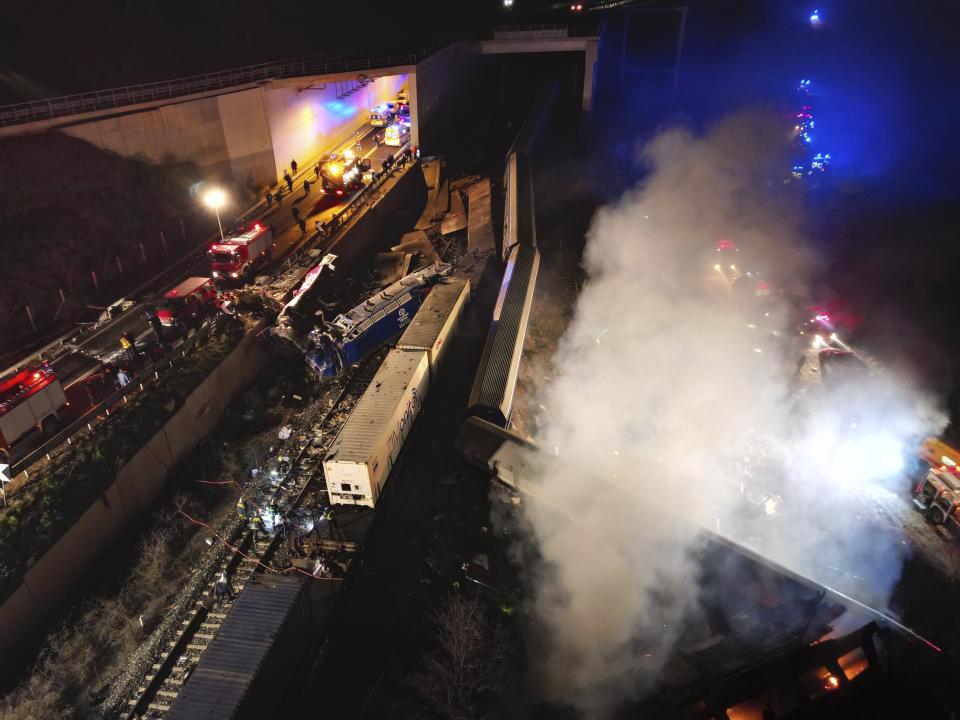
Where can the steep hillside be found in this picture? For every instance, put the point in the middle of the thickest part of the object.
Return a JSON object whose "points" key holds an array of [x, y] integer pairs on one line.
{"points": [[70, 208]]}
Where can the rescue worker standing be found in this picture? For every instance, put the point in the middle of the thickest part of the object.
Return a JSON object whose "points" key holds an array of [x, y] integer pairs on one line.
{"points": [[223, 588], [256, 524], [157, 326], [129, 347]]}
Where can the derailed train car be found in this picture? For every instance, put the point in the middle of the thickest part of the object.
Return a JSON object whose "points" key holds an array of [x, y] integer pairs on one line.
{"points": [[760, 641], [361, 458], [331, 347]]}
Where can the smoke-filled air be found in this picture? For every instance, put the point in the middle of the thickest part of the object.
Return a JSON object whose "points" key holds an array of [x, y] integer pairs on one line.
{"points": [[679, 402]]}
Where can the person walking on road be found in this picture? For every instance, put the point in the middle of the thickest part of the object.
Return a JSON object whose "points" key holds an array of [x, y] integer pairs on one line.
{"points": [[154, 321], [295, 211], [306, 188], [157, 326], [123, 379], [293, 166], [278, 195], [316, 171], [269, 199], [303, 226], [288, 180]]}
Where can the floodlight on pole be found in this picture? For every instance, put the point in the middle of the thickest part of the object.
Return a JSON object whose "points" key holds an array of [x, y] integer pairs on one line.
{"points": [[216, 199]]}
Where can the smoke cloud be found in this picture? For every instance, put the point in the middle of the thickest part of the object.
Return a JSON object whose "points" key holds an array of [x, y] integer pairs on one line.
{"points": [[676, 392]]}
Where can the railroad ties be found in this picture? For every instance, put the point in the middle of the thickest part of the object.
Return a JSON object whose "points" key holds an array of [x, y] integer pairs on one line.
{"points": [[171, 670]]}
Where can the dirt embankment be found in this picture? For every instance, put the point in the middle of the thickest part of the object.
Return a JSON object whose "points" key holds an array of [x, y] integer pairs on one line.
{"points": [[70, 209]]}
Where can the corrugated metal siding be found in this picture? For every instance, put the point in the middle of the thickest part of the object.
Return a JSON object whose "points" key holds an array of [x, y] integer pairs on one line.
{"points": [[222, 679], [430, 319], [504, 454], [373, 413], [497, 375]]}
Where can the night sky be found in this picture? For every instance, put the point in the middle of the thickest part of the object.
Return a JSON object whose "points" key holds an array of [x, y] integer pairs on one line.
{"points": [[61, 47]]}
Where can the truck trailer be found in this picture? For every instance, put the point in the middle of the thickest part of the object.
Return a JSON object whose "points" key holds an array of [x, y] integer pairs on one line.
{"points": [[364, 453]]}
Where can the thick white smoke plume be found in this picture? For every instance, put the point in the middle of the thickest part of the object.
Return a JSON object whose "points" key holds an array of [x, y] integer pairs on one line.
{"points": [[672, 392]]}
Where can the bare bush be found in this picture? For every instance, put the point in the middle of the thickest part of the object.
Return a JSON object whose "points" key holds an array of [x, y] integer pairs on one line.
{"points": [[77, 660], [466, 667]]}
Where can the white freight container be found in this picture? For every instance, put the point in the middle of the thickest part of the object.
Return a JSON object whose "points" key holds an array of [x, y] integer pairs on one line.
{"points": [[437, 320], [361, 458]]}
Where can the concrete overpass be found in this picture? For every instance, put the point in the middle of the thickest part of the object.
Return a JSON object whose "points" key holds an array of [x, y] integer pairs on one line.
{"points": [[549, 39], [247, 124]]}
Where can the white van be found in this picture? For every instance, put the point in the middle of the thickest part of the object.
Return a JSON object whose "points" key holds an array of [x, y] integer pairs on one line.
{"points": [[397, 134], [382, 115]]}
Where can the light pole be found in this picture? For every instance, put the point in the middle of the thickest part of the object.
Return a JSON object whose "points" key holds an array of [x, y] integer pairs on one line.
{"points": [[216, 199]]}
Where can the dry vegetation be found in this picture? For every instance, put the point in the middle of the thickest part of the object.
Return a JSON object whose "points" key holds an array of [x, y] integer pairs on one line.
{"points": [[464, 672], [82, 658], [78, 658]]}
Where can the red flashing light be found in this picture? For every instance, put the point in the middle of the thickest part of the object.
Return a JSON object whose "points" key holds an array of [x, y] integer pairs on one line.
{"points": [[257, 226], [36, 376], [339, 192]]}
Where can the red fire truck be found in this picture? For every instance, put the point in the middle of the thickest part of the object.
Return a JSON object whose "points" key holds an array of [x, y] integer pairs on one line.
{"points": [[27, 399], [937, 495], [236, 256]]}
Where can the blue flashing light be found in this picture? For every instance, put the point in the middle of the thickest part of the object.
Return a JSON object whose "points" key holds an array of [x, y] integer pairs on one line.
{"points": [[815, 18], [340, 108]]}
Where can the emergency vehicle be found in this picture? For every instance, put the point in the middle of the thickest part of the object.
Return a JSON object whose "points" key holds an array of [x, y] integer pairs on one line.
{"points": [[397, 135], [341, 174], [236, 256], [382, 115], [937, 494], [27, 399], [184, 304]]}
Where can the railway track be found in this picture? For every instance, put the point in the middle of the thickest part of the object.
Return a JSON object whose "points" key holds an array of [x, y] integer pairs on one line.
{"points": [[306, 447]]}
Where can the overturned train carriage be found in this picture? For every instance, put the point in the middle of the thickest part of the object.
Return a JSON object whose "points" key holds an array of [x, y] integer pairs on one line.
{"points": [[352, 336]]}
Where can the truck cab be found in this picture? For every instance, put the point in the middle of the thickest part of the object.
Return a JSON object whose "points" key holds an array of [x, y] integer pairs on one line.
{"points": [[341, 174], [27, 399], [183, 305], [236, 257]]}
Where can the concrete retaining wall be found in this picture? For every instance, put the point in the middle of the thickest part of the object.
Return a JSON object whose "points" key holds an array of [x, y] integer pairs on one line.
{"points": [[137, 485], [438, 80], [190, 131], [249, 135], [382, 224]]}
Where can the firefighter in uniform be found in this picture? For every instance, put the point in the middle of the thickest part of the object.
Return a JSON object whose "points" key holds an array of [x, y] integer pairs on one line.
{"points": [[256, 524]]}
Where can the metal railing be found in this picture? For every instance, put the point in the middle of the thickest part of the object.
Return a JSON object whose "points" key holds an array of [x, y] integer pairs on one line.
{"points": [[582, 30], [101, 411], [334, 225]]}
